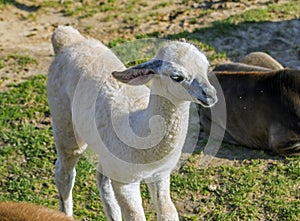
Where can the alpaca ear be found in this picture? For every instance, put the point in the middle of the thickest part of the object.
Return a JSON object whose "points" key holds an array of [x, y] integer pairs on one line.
{"points": [[139, 74], [134, 76]]}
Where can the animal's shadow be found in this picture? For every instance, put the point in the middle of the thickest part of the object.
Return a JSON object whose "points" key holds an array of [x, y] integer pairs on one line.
{"points": [[279, 39], [228, 152], [24, 7], [240, 153]]}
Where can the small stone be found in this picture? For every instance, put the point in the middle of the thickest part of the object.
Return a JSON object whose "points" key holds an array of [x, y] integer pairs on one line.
{"points": [[212, 187]]}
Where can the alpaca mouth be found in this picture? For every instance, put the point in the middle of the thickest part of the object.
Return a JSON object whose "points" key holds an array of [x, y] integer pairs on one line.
{"points": [[207, 101], [202, 93]]}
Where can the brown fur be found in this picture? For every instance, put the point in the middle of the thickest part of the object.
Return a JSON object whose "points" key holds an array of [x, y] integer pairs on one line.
{"points": [[240, 67], [263, 108], [254, 62], [13, 211]]}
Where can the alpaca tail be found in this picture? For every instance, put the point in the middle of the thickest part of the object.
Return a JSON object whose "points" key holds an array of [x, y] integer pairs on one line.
{"points": [[64, 36]]}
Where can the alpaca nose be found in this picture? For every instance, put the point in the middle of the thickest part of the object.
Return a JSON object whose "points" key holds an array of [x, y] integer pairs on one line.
{"points": [[204, 93]]}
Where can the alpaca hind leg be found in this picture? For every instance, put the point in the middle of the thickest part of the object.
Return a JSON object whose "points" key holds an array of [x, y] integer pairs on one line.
{"points": [[64, 179], [69, 149]]}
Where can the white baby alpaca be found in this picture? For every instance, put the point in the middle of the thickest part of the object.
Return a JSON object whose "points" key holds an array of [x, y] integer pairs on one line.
{"points": [[138, 133]]}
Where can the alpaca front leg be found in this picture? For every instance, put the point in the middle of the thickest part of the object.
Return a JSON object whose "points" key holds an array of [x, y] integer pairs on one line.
{"points": [[109, 201], [130, 201], [160, 195]]}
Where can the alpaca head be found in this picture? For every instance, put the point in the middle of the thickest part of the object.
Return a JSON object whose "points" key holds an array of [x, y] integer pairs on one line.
{"points": [[178, 72]]}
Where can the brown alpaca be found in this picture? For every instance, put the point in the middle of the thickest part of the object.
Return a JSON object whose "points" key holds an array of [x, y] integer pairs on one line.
{"points": [[263, 105], [12, 211]]}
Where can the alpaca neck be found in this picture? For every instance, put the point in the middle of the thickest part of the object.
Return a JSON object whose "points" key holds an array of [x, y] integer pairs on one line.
{"points": [[163, 103], [172, 113], [166, 123]]}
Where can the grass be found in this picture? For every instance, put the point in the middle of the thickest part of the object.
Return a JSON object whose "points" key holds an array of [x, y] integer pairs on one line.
{"points": [[244, 192], [27, 152], [226, 26], [273, 11], [3, 2], [84, 10], [17, 61], [231, 26]]}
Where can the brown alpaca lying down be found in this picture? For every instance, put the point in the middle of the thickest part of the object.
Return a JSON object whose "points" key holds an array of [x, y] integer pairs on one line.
{"points": [[263, 105], [12, 211]]}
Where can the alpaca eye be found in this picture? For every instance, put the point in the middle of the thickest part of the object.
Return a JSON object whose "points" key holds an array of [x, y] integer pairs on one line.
{"points": [[177, 78]]}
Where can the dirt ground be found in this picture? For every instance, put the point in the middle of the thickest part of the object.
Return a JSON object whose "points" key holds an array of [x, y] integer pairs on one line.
{"points": [[25, 28]]}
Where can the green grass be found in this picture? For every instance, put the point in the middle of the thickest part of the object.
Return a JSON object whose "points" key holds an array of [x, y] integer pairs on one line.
{"points": [[289, 10], [80, 10], [254, 190], [27, 152], [163, 4], [3, 2], [140, 50], [230, 26], [146, 45], [273, 11], [23, 135], [17, 61]]}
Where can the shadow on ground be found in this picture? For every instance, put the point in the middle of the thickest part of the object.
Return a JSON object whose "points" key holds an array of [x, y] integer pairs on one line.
{"points": [[280, 39], [22, 6]]}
